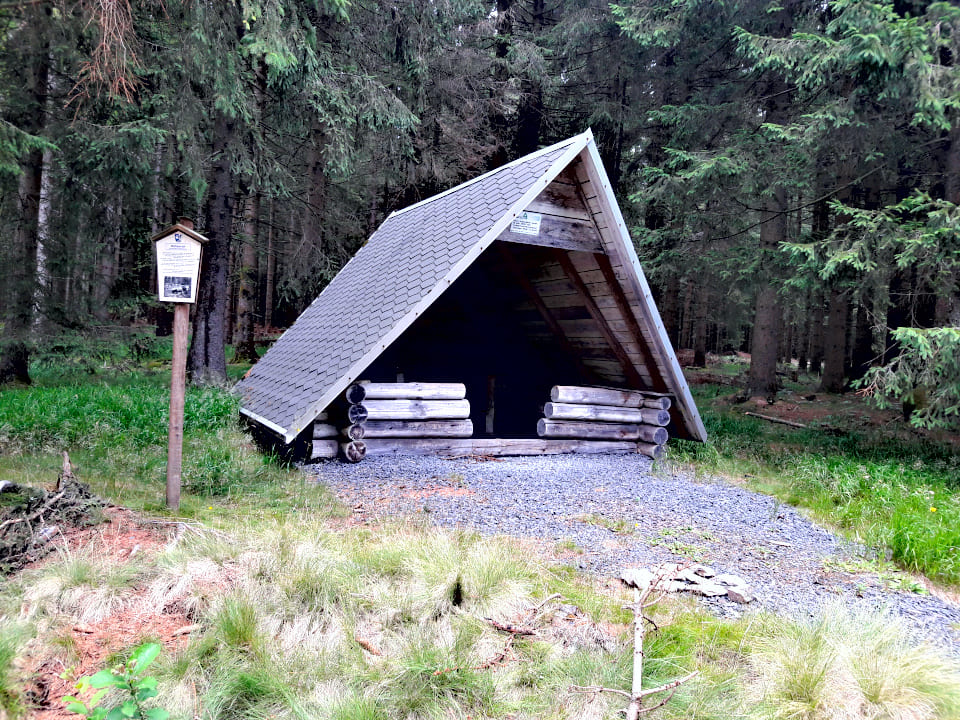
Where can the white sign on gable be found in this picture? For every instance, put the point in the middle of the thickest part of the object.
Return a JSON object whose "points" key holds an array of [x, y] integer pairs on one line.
{"points": [[178, 267], [527, 223]]}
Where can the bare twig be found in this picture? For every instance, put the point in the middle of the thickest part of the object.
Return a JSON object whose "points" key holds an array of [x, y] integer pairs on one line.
{"points": [[52, 500], [643, 597], [672, 685], [512, 629], [599, 689]]}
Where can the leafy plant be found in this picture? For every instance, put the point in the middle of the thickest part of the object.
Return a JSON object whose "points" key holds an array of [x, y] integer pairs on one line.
{"points": [[129, 679]]}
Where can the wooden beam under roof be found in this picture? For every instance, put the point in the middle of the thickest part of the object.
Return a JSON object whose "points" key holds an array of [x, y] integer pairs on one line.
{"points": [[656, 377], [629, 369]]}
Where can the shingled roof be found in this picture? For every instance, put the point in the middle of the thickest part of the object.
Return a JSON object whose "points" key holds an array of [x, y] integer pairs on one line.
{"points": [[407, 264]]}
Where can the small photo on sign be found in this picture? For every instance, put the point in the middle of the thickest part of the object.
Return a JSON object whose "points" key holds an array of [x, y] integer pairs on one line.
{"points": [[177, 287]]}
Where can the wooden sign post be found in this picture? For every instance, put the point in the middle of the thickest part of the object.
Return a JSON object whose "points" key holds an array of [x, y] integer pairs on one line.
{"points": [[178, 272]]}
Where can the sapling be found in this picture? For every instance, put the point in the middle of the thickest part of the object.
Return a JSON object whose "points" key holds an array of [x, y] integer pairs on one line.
{"points": [[647, 592], [129, 679]]}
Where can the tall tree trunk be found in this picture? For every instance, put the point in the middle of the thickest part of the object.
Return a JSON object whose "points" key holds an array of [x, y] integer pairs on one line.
{"points": [[44, 212], [530, 109], [245, 348], [271, 269], [21, 288], [107, 254], [947, 310], [700, 326], [835, 342], [816, 334], [863, 354], [669, 305], [686, 331], [803, 343], [207, 360], [313, 213], [18, 311], [766, 319], [162, 313]]}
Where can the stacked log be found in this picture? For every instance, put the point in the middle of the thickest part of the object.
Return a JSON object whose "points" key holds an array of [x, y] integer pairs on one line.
{"points": [[396, 413], [592, 413], [325, 443]]}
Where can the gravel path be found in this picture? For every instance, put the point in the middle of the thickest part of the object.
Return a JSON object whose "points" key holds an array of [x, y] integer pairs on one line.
{"points": [[605, 513]]}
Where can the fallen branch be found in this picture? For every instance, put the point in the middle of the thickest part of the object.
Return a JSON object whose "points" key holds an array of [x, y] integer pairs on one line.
{"points": [[50, 502], [599, 689], [781, 421], [368, 646], [512, 629]]}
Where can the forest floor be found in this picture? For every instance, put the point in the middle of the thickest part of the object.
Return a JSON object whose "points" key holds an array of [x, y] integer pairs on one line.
{"points": [[274, 599]]}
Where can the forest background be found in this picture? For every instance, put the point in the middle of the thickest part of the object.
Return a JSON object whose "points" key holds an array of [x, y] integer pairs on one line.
{"points": [[790, 171]]}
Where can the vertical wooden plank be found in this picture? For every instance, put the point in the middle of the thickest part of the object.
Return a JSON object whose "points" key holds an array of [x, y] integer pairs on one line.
{"points": [[511, 262]]}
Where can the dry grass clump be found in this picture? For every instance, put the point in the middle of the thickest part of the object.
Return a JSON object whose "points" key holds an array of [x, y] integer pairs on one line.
{"points": [[84, 585], [295, 620], [846, 665]]}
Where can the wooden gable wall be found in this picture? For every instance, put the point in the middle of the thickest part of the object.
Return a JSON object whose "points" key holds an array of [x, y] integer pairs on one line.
{"points": [[577, 286]]}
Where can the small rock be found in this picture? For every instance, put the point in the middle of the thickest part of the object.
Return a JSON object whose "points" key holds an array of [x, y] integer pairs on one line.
{"points": [[185, 630], [704, 571], [740, 595]]}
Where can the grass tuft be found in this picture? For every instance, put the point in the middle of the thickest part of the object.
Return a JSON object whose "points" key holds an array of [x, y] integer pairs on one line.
{"points": [[11, 699], [852, 664]]}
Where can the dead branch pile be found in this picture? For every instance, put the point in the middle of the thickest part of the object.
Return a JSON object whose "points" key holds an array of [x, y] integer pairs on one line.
{"points": [[31, 517]]}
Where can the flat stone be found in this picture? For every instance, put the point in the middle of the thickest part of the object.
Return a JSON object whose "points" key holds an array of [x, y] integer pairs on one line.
{"points": [[637, 577], [740, 595], [732, 580], [704, 571], [708, 589], [689, 575]]}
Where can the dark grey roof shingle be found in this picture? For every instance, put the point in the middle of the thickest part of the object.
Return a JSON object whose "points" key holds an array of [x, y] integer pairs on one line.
{"points": [[400, 264]]}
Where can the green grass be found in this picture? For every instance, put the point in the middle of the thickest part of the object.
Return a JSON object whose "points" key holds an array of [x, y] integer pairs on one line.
{"points": [[897, 496], [113, 424], [11, 638]]}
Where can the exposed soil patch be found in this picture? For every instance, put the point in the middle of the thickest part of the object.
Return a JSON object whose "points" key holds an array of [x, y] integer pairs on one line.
{"points": [[94, 646], [85, 648], [122, 536]]}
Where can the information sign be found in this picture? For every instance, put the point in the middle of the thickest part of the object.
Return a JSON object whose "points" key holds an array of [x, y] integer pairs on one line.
{"points": [[527, 223], [178, 266]]}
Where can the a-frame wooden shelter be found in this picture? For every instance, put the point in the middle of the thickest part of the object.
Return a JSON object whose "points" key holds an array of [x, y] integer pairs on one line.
{"points": [[516, 281]]}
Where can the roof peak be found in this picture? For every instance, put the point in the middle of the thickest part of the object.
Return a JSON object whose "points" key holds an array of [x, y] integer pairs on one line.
{"points": [[588, 134]]}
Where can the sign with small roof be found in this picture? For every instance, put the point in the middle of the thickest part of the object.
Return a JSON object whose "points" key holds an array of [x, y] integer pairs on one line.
{"points": [[178, 263]]}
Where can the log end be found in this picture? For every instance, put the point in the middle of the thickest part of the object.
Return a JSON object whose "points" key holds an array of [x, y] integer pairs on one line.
{"points": [[655, 452], [355, 394], [354, 451], [357, 414]]}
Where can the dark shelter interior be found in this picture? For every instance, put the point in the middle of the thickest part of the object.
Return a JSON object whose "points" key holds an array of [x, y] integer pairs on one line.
{"points": [[487, 332]]}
